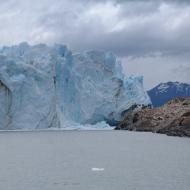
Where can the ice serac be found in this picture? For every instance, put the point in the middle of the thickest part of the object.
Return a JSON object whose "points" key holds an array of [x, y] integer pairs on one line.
{"points": [[27, 92], [97, 90], [43, 87]]}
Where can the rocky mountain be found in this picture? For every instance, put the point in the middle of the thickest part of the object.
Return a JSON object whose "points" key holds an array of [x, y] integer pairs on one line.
{"points": [[173, 118], [43, 87], [165, 92]]}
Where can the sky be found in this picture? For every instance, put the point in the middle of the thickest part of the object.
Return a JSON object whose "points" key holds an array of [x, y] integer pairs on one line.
{"points": [[151, 37]]}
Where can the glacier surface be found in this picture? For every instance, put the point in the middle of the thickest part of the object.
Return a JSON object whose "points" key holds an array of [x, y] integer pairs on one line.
{"points": [[50, 87]]}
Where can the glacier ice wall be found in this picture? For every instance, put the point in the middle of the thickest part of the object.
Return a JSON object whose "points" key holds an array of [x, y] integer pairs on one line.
{"points": [[43, 87]]}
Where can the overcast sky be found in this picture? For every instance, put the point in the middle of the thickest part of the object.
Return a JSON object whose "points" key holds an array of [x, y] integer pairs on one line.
{"points": [[152, 37]]}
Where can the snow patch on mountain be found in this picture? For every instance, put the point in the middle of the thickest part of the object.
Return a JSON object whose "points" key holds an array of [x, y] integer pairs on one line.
{"points": [[163, 87]]}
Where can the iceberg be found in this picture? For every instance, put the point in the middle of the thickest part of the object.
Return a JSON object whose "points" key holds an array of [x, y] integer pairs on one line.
{"points": [[50, 87]]}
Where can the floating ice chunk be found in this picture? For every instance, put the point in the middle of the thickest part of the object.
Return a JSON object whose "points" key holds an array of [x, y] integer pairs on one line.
{"points": [[97, 169]]}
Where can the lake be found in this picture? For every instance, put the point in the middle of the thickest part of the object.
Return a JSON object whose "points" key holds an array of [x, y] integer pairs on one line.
{"points": [[93, 160]]}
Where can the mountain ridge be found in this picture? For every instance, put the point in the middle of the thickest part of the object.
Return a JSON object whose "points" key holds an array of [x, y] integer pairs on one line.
{"points": [[164, 92]]}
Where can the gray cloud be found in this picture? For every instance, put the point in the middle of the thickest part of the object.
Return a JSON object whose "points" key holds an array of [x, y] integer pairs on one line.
{"points": [[159, 68], [135, 29]]}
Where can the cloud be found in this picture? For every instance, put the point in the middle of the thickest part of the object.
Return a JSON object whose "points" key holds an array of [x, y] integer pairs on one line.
{"points": [[159, 68], [133, 29]]}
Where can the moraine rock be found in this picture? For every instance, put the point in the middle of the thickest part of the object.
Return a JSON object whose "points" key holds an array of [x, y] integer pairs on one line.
{"points": [[172, 119]]}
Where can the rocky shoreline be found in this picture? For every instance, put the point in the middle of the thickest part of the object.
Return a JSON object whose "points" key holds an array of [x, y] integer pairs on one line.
{"points": [[172, 119]]}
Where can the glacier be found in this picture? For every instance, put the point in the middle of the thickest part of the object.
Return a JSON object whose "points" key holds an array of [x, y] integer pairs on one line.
{"points": [[50, 87]]}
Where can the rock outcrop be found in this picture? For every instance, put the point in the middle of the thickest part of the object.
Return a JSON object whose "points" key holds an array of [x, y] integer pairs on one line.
{"points": [[172, 119]]}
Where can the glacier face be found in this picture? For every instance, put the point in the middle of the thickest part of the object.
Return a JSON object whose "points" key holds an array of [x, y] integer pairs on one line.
{"points": [[43, 87]]}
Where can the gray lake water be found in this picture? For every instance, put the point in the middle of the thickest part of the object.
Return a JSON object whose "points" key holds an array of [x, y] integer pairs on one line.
{"points": [[63, 160]]}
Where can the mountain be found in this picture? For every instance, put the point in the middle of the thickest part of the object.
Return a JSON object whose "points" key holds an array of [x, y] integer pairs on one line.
{"points": [[50, 87], [165, 92]]}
